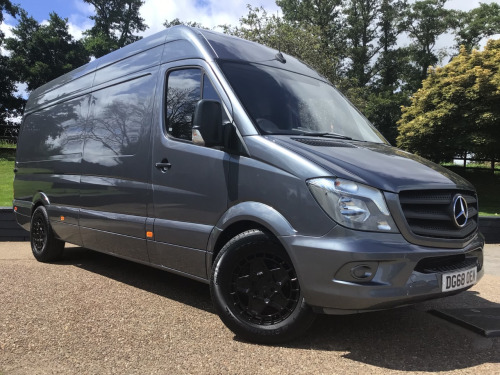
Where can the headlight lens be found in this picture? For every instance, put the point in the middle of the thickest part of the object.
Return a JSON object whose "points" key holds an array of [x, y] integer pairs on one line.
{"points": [[352, 204]]}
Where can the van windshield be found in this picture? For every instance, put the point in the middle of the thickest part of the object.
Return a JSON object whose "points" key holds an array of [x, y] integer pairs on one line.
{"points": [[283, 102]]}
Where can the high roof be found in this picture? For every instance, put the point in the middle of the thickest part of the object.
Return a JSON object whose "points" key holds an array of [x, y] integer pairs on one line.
{"points": [[189, 43]]}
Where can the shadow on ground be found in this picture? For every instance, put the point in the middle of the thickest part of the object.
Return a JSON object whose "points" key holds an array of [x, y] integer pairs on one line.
{"points": [[405, 339], [153, 280]]}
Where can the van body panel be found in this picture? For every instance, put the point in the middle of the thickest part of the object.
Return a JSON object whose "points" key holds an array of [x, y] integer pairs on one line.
{"points": [[191, 196], [193, 190], [256, 181], [257, 212], [73, 84], [189, 261], [199, 47], [140, 62], [130, 51], [395, 283], [108, 221], [120, 245], [235, 49], [396, 169], [115, 181], [58, 145], [192, 235], [179, 50], [64, 222]]}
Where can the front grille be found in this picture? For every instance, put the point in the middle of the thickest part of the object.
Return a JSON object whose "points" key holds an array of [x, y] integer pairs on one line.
{"points": [[323, 142], [447, 264], [429, 213]]}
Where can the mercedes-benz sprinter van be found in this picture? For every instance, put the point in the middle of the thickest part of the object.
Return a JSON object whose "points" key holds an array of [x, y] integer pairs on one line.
{"points": [[236, 165]]}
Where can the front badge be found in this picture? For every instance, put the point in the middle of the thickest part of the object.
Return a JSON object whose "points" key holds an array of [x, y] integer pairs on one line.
{"points": [[460, 211]]}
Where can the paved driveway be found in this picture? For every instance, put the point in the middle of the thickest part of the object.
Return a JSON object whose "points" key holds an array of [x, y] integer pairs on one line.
{"points": [[95, 314]]}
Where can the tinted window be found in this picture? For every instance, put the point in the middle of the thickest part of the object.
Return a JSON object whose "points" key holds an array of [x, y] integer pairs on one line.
{"points": [[283, 102], [185, 88], [183, 92]]}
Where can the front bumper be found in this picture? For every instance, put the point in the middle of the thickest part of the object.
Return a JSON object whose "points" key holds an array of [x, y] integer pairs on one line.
{"points": [[395, 282]]}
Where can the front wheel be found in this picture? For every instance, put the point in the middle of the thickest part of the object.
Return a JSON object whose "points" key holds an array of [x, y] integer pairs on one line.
{"points": [[44, 245], [256, 292]]}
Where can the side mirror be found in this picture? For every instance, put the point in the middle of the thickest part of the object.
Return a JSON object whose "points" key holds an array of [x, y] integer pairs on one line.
{"points": [[207, 123]]}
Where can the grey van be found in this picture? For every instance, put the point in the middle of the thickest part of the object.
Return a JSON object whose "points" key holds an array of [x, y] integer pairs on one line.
{"points": [[236, 165]]}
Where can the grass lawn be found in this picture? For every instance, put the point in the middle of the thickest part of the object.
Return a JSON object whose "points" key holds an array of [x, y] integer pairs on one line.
{"points": [[7, 158]]}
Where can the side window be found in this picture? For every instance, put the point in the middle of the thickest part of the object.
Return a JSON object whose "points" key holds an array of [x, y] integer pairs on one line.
{"points": [[185, 87], [183, 92]]}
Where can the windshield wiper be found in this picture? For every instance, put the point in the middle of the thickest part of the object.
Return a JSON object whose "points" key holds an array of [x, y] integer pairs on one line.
{"points": [[326, 135]]}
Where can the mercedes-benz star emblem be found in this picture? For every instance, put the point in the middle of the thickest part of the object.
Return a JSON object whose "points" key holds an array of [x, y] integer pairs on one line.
{"points": [[460, 211]]}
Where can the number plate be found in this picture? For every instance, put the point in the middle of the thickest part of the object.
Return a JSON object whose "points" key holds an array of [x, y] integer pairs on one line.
{"points": [[458, 280]]}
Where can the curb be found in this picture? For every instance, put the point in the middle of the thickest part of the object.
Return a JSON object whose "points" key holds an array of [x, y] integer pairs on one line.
{"points": [[490, 228], [10, 231]]}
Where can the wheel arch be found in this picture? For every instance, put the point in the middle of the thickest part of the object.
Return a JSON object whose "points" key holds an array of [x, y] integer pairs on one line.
{"points": [[39, 199], [242, 217]]}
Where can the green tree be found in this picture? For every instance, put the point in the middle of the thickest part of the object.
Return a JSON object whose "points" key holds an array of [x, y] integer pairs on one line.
{"points": [[40, 53], [362, 34], [177, 22], [456, 111], [301, 41], [481, 22], [326, 21], [386, 94], [426, 20], [390, 59], [7, 7], [115, 22], [10, 103]]}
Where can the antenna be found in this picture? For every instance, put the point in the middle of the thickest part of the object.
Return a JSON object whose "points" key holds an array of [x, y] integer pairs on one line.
{"points": [[279, 56]]}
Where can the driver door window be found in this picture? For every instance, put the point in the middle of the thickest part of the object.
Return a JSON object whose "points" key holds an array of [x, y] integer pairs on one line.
{"points": [[185, 87]]}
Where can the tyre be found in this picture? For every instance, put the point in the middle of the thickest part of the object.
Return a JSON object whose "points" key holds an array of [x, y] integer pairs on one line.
{"points": [[256, 292], [44, 245]]}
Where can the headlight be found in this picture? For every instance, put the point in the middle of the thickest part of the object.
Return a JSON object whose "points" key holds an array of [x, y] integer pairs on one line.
{"points": [[352, 204]]}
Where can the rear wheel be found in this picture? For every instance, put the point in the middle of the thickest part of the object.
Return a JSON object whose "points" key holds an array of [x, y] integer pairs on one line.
{"points": [[256, 292], [44, 245]]}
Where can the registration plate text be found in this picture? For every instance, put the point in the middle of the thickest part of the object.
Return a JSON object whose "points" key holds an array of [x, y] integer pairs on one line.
{"points": [[458, 280]]}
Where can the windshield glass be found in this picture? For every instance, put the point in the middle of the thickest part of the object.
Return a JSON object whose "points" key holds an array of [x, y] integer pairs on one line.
{"points": [[283, 102]]}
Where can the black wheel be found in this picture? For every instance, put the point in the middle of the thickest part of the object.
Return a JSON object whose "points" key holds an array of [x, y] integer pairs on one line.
{"points": [[256, 292], [45, 247]]}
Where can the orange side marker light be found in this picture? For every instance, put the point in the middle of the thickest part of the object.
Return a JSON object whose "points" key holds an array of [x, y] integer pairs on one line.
{"points": [[149, 234]]}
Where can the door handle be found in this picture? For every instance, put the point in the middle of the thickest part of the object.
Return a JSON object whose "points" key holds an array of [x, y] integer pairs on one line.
{"points": [[163, 166]]}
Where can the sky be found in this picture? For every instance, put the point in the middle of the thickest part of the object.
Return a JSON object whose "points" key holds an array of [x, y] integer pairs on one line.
{"points": [[210, 13], [207, 12]]}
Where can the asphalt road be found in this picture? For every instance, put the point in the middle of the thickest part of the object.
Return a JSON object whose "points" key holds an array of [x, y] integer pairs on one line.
{"points": [[95, 314]]}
